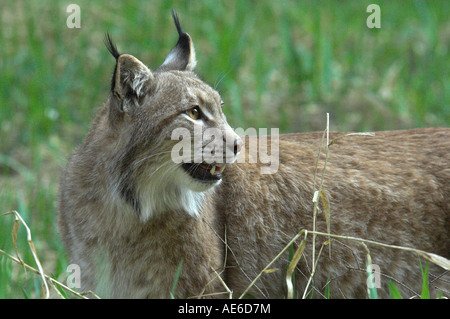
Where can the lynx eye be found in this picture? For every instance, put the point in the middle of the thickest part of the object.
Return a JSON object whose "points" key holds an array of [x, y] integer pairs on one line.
{"points": [[194, 113]]}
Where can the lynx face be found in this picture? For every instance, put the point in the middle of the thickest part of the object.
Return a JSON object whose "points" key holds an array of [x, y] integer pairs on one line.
{"points": [[177, 139], [196, 109]]}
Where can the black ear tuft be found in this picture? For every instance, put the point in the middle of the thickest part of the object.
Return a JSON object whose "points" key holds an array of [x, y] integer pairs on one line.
{"points": [[177, 22], [115, 53], [111, 46], [182, 56]]}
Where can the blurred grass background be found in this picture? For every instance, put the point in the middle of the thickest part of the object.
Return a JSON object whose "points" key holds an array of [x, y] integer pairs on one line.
{"points": [[276, 63]]}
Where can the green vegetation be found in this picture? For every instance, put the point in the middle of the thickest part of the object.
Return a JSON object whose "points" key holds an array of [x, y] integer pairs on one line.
{"points": [[276, 63]]}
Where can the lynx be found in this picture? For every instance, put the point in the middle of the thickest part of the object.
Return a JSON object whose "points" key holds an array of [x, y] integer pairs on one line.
{"points": [[141, 225]]}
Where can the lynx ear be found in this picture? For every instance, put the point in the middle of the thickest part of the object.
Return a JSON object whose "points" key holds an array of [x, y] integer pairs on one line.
{"points": [[182, 56], [131, 79]]}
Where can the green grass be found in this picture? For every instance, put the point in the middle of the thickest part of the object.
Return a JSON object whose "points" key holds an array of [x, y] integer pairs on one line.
{"points": [[276, 63], [175, 281], [394, 292]]}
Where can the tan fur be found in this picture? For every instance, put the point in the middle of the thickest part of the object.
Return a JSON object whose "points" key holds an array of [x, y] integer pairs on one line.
{"points": [[129, 216]]}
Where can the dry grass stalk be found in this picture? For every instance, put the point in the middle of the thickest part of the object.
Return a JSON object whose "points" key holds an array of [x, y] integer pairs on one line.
{"points": [[435, 259], [45, 293], [313, 272], [295, 259], [228, 291], [273, 260], [48, 278], [320, 193]]}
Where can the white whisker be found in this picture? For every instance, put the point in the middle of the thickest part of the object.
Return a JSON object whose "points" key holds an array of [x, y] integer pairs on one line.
{"points": [[150, 156]]}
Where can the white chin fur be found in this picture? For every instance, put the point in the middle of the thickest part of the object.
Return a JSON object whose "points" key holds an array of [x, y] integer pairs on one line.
{"points": [[171, 189]]}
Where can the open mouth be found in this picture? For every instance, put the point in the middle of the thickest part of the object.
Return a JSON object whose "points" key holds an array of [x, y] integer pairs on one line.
{"points": [[204, 172]]}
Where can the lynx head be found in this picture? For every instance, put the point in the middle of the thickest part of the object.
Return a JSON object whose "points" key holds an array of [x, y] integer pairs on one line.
{"points": [[148, 112]]}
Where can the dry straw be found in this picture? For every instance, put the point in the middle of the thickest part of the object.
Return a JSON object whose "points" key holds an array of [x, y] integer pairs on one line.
{"points": [[46, 280]]}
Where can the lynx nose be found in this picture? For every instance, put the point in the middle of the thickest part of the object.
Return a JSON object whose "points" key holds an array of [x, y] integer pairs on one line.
{"points": [[237, 145]]}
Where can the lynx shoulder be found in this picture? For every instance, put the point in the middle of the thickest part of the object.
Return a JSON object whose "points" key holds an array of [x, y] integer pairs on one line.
{"points": [[147, 214]]}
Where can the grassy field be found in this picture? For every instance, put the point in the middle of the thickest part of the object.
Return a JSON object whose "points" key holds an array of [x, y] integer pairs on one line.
{"points": [[278, 64]]}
